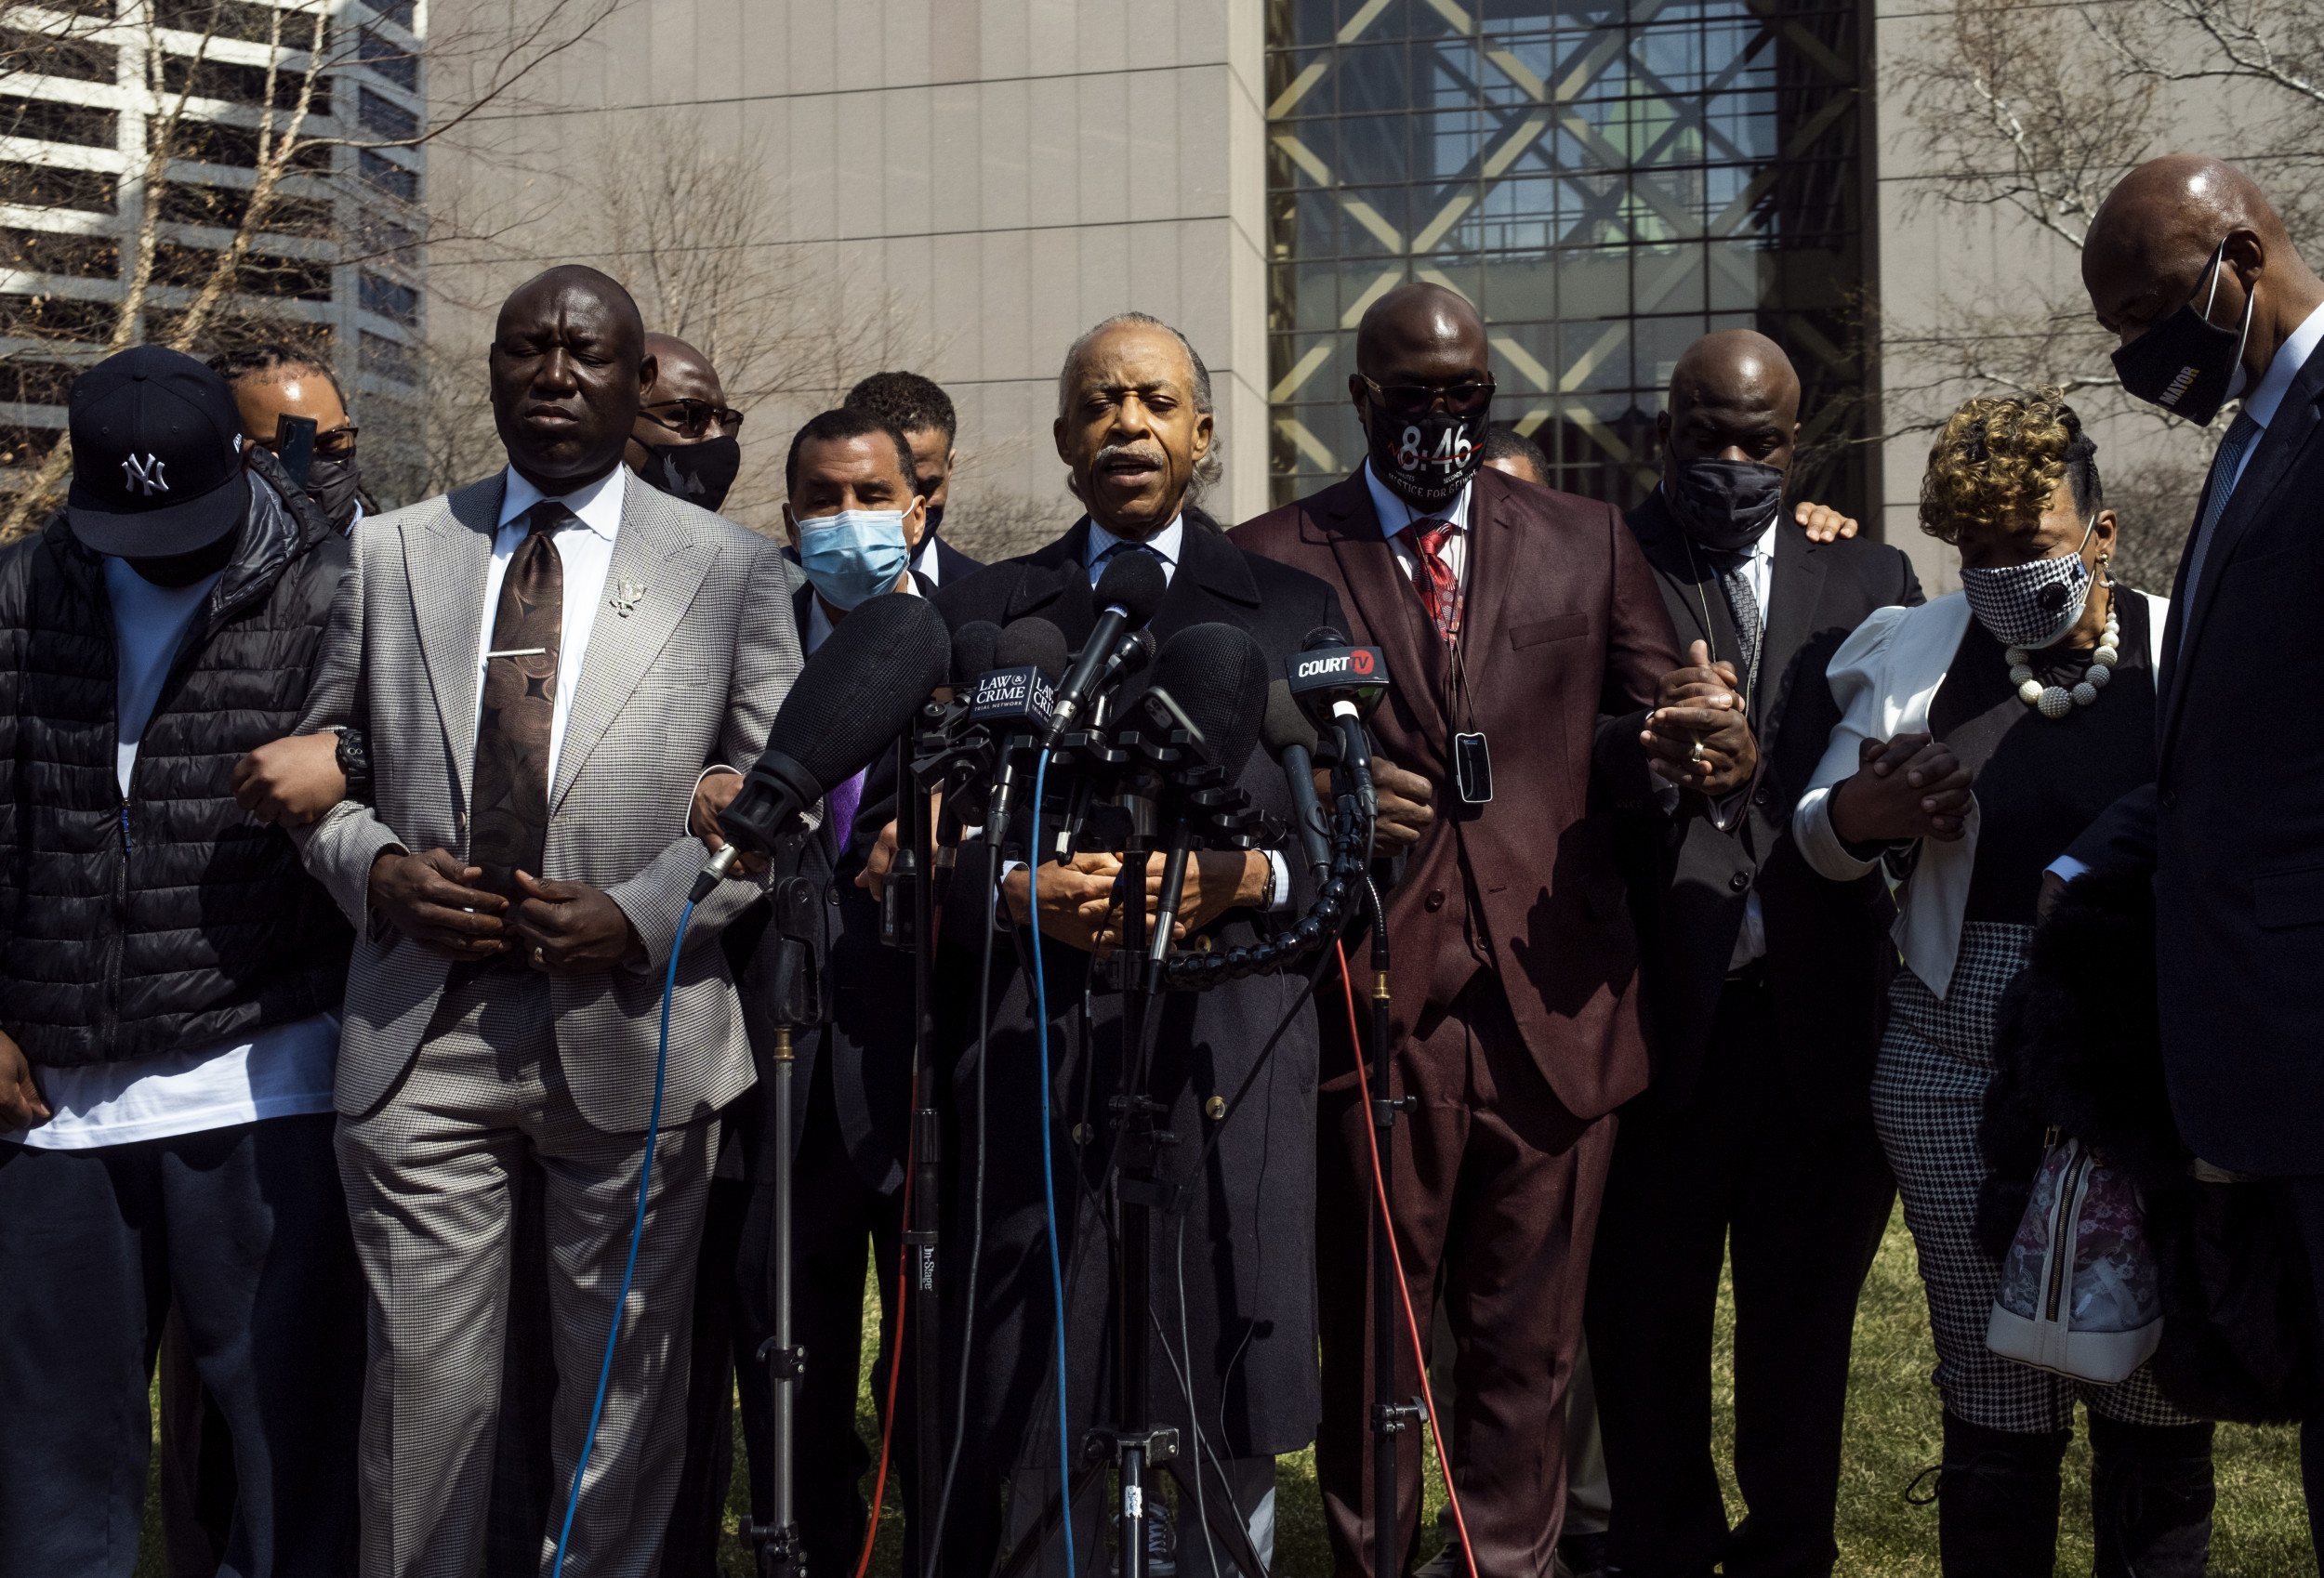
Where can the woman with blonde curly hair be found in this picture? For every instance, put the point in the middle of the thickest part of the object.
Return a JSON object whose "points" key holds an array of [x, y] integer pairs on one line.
{"points": [[1980, 733]]}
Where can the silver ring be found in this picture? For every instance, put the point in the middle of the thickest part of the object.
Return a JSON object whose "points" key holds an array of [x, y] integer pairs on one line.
{"points": [[539, 957], [1697, 754]]}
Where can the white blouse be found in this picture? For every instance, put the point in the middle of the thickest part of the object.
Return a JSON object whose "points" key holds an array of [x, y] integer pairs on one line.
{"points": [[1885, 677]]}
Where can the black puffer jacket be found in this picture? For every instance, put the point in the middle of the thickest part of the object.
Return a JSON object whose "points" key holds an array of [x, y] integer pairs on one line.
{"points": [[146, 925]]}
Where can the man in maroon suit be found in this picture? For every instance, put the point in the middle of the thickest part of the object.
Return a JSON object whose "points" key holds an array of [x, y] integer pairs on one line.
{"points": [[1530, 617]]}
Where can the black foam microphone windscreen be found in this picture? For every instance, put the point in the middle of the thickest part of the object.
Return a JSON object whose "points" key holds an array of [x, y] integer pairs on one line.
{"points": [[1324, 635], [860, 689], [1285, 724], [1035, 641], [1135, 583], [1218, 677], [972, 651]]}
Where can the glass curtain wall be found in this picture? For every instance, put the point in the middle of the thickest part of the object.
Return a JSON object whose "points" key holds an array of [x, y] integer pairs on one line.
{"points": [[1606, 179]]}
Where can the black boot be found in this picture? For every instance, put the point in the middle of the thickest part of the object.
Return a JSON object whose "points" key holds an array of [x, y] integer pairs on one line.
{"points": [[1996, 1501], [2150, 1498]]}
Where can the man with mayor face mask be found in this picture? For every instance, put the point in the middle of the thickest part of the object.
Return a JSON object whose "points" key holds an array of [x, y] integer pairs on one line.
{"points": [[1763, 982], [2190, 266]]}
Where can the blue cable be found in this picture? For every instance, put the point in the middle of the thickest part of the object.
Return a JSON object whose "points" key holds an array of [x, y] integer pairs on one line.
{"points": [[1048, 1175], [637, 1230]]}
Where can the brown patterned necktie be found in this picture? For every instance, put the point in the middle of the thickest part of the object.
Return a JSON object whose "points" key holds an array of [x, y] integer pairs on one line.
{"points": [[509, 830]]}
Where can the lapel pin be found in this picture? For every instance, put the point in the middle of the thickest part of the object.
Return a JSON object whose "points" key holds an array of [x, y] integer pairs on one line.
{"points": [[626, 598]]}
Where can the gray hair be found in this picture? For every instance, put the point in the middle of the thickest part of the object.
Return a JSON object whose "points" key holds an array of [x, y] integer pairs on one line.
{"points": [[1211, 467]]}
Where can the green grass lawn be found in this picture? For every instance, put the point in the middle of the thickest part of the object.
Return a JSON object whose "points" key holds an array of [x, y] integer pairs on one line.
{"points": [[2259, 1531], [1893, 1432]]}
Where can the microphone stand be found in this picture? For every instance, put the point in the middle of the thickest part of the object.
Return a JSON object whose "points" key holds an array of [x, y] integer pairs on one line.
{"points": [[908, 922], [800, 1004]]}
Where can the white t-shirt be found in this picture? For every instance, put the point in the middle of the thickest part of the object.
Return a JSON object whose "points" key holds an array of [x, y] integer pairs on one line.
{"points": [[279, 1071]]}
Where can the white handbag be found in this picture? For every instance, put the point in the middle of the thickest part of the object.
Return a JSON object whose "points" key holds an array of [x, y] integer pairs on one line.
{"points": [[2081, 1294]]}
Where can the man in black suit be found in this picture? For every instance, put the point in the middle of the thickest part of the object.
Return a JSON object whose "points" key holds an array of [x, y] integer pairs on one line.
{"points": [[851, 1134], [1764, 983], [1232, 1270], [2188, 264], [920, 409]]}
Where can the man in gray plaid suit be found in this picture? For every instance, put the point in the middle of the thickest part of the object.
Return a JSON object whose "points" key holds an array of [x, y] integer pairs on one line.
{"points": [[545, 661]]}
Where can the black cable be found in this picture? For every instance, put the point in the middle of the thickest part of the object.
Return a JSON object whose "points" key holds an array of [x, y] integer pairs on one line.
{"points": [[976, 1207]]}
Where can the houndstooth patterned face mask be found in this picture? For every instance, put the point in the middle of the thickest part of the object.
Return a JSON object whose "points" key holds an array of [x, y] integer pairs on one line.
{"points": [[2031, 605]]}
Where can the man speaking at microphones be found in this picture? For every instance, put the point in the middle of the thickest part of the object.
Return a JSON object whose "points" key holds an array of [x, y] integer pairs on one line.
{"points": [[1534, 667], [547, 659], [1233, 1293]]}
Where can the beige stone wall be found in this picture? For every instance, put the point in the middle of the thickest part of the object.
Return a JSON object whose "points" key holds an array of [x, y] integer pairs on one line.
{"points": [[1000, 173]]}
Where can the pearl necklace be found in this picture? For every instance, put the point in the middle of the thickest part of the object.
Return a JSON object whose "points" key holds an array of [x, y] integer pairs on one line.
{"points": [[2057, 700]]}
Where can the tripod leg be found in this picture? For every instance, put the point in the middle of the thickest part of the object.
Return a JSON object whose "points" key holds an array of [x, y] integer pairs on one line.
{"points": [[1034, 1543], [1223, 1519]]}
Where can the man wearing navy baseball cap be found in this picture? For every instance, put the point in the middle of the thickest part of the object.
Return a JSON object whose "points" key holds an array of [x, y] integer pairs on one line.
{"points": [[170, 982]]}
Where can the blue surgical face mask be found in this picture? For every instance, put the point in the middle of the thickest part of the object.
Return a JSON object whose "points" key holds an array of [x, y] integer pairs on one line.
{"points": [[853, 556]]}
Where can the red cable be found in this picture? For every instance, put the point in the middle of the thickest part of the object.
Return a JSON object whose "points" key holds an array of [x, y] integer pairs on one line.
{"points": [[1411, 1321], [895, 1359]]}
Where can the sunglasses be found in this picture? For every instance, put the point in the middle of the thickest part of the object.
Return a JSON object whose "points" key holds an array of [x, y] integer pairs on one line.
{"points": [[1405, 401], [693, 418], [338, 443]]}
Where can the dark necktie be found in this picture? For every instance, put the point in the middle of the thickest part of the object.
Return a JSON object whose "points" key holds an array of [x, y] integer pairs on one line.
{"points": [[1743, 603], [2241, 433], [510, 829], [1438, 587]]}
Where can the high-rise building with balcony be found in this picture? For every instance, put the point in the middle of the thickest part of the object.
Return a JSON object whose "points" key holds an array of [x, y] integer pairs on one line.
{"points": [[89, 85]]}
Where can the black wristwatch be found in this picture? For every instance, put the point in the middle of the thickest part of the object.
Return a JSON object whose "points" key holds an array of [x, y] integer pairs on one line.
{"points": [[354, 754]]}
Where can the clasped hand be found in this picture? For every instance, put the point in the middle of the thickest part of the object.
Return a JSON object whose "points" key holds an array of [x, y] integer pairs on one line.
{"points": [[1907, 788], [555, 928], [1697, 736], [1077, 903]]}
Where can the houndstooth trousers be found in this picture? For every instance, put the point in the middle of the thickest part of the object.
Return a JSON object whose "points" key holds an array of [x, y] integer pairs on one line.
{"points": [[429, 1177], [1928, 1098]]}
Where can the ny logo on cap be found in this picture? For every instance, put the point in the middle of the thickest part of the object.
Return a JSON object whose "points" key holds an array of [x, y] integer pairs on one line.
{"points": [[145, 475]]}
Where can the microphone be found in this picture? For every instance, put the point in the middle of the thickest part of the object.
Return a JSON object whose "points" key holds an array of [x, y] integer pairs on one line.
{"points": [[1127, 595], [1029, 661], [849, 701], [1338, 685], [1211, 681], [1290, 739], [972, 651]]}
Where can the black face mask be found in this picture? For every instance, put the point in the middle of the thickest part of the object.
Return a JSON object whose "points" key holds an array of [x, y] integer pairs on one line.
{"points": [[1427, 459], [1725, 504], [2187, 363], [700, 474], [331, 482]]}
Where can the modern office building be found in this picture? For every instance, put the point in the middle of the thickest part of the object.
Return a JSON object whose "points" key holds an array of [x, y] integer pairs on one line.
{"points": [[1606, 178], [84, 93]]}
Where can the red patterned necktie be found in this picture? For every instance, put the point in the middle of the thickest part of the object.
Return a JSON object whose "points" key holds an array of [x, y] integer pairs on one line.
{"points": [[1438, 587]]}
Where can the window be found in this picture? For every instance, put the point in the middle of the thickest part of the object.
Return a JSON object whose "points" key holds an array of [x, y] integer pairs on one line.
{"points": [[54, 186], [379, 356], [384, 175], [384, 117], [377, 294], [51, 122], [1605, 179], [390, 59]]}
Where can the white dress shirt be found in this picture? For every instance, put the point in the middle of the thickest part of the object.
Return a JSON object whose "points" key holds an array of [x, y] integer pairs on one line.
{"points": [[585, 545], [1396, 515], [2291, 357]]}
